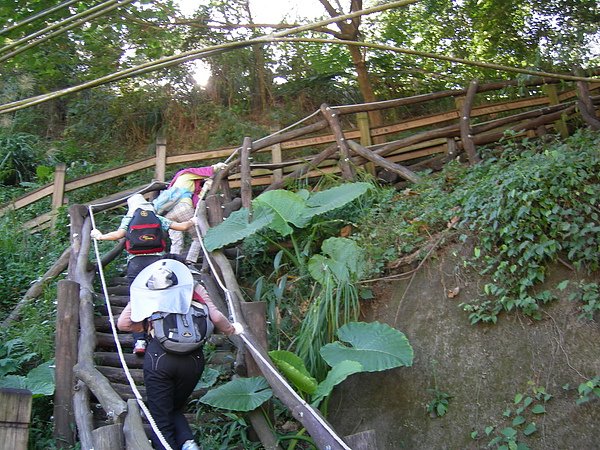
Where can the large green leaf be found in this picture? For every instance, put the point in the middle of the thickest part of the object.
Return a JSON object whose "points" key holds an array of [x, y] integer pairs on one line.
{"points": [[377, 346], [236, 227], [287, 206], [209, 378], [294, 370], [344, 261], [335, 376], [241, 394], [330, 199], [39, 380]]}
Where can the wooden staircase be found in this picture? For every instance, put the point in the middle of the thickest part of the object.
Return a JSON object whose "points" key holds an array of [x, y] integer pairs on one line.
{"points": [[109, 364]]}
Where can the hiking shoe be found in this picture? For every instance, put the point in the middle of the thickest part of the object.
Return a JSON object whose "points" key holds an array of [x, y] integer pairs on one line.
{"points": [[190, 445], [139, 347]]}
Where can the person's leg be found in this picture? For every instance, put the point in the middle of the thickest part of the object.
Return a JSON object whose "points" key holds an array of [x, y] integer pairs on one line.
{"points": [[134, 267], [180, 213], [160, 392], [189, 371], [194, 251]]}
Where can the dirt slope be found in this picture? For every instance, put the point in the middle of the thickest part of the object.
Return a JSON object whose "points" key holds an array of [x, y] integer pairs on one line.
{"points": [[482, 367]]}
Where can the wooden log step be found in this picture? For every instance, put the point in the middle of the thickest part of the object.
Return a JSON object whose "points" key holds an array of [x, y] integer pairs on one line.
{"points": [[119, 300], [102, 323], [117, 374], [116, 310], [106, 340], [112, 359]]}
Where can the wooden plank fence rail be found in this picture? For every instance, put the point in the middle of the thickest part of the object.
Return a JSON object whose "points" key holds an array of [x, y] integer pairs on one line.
{"points": [[542, 109]]}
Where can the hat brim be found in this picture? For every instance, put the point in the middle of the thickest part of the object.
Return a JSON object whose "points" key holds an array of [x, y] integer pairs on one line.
{"points": [[175, 299]]}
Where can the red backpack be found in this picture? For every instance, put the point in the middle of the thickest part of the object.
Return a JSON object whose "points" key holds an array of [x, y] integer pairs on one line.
{"points": [[144, 234]]}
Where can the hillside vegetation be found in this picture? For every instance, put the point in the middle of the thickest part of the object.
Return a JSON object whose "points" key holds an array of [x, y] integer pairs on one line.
{"points": [[527, 206]]}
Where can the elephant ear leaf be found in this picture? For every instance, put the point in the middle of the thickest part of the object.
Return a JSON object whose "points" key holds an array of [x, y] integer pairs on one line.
{"points": [[294, 369], [236, 227], [335, 376], [376, 346], [336, 197], [287, 207], [241, 394]]}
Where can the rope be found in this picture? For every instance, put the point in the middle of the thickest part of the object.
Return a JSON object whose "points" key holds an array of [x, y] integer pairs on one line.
{"points": [[113, 327]]}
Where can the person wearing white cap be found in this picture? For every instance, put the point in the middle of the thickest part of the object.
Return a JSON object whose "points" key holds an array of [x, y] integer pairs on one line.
{"points": [[137, 262], [170, 378]]}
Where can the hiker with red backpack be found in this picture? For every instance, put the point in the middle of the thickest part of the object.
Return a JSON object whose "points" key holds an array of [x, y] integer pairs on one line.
{"points": [[178, 202], [145, 243], [174, 361]]}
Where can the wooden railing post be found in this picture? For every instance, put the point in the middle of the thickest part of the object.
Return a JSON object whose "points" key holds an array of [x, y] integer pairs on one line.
{"points": [[160, 169], [246, 176], [15, 414], [362, 120], [332, 117], [276, 158], [67, 330], [465, 124], [58, 193], [552, 94]]}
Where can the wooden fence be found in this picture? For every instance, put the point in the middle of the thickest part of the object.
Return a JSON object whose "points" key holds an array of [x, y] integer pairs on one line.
{"points": [[476, 118]]}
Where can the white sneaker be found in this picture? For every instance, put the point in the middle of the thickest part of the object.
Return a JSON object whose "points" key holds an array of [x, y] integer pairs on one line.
{"points": [[139, 347], [190, 445]]}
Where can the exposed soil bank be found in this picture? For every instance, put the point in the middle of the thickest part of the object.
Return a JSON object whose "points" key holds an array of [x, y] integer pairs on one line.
{"points": [[482, 367]]}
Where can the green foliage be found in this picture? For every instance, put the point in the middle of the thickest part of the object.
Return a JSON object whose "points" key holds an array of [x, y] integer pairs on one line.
{"points": [[19, 156], [589, 295], [528, 208], [15, 358], [294, 370], [336, 271], [241, 394], [588, 390], [438, 405], [519, 420], [370, 347], [278, 209]]}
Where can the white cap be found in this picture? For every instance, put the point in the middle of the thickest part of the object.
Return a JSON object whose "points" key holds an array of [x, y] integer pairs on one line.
{"points": [[165, 285], [137, 201]]}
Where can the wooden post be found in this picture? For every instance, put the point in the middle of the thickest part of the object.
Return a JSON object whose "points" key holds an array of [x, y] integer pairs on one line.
{"points": [[109, 437], [58, 193], [214, 209], [276, 158], [246, 176], [561, 124], [161, 159], [586, 106], [362, 119], [15, 414], [465, 124], [67, 329], [365, 440], [255, 314], [332, 117]]}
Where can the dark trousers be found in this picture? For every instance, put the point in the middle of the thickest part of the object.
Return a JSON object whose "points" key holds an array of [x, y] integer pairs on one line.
{"points": [[170, 380], [134, 267]]}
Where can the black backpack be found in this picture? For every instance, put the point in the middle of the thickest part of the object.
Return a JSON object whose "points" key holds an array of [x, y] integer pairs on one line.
{"points": [[144, 234], [182, 333]]}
